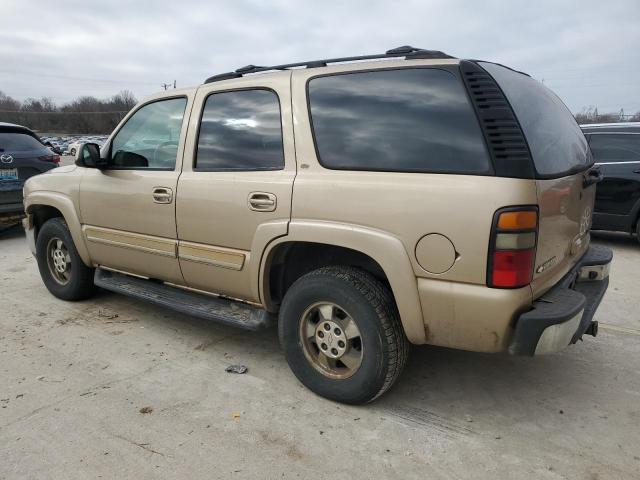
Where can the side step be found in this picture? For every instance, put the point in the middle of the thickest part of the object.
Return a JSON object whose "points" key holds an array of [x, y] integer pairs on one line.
{"points": [[218, 309]]}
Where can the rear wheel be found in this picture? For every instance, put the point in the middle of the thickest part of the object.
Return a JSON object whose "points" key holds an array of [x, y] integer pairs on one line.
{"points": [[62, 270], [342, 335]]}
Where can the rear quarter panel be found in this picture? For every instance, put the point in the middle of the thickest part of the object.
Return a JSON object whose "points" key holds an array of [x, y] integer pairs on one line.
{"points": [[566, 209], [408, 206]]}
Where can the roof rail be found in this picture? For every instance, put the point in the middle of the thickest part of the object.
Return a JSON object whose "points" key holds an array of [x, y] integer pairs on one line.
{"points": [[405, 51]]}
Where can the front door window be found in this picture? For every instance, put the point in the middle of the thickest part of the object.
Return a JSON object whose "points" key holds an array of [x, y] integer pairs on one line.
{"points": [[149, 139]]}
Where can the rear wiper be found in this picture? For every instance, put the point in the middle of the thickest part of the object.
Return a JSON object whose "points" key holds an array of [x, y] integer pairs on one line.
{"points": [[592, 176]]}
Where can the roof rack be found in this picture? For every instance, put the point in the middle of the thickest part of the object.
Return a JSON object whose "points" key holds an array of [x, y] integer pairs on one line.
{"points": [[405, 51]]}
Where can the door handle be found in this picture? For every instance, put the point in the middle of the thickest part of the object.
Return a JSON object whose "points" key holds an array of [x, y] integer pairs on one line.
{"points": [[262, 202], [162, 195], [636, 171]]}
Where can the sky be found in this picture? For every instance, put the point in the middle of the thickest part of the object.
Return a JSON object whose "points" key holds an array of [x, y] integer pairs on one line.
{"points": [[587, 51]]}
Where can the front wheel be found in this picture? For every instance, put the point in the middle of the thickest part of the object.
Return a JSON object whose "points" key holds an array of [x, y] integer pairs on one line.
{"points": [[342, 336], [62, 270]]}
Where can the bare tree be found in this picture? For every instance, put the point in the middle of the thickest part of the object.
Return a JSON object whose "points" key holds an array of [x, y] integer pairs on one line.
{"points": [[83, 115]]}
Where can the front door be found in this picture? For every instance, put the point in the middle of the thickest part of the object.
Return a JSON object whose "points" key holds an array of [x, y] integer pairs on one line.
{"points": [[234, 194], [128, 209]]}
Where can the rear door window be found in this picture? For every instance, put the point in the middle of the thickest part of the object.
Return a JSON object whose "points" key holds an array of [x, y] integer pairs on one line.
{"points": [[404, 120], [615, 148], [240, 131], [557, 144]]}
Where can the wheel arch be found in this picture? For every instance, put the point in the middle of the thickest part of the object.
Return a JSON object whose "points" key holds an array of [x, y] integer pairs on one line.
{"points": [[42, 206], [317, 243]]}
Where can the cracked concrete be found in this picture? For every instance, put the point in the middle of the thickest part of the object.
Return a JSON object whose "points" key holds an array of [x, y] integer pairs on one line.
{"points": [[74, 377]]}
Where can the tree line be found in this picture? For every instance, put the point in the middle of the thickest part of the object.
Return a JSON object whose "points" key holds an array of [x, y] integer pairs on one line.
{"points": [[591, 115], [83, 115]]}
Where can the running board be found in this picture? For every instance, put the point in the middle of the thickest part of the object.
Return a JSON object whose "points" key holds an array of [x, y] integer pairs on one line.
{"points": [[208, 307]]}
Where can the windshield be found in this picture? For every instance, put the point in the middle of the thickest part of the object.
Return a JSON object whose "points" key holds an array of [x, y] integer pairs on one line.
{"points": [[556, 142]]}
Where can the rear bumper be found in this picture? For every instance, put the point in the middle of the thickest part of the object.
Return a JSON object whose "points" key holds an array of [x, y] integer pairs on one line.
{"points": [[565, 313], [11, 213], [11, 206]]}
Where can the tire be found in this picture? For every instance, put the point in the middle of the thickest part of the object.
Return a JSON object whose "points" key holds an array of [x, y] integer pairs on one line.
{"points": [[638, 230], [55, 247], [343, 293]]}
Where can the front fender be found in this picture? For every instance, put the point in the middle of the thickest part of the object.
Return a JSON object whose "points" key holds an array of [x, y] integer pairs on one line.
{"points": [[382, 247], [65, 205]]}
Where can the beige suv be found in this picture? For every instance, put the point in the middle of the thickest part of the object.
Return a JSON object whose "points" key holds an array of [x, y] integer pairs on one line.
{"points": [[362, 203]]}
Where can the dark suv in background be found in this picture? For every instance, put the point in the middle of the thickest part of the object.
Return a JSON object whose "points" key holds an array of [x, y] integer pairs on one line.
{"points": [[22, 155], [616, 150]]}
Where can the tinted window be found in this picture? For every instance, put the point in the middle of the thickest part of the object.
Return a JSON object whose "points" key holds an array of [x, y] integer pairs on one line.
{"points": [[615, 148], [410, 120], [150, 137], [19, 142], [240, 130], [556, 142]]}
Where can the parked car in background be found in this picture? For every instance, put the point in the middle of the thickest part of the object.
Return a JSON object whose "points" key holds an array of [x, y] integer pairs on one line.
{"points": [[22, 155], [616, 150], [74, 146]]}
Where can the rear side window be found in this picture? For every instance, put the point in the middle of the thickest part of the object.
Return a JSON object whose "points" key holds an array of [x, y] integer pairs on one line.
{"points": [[615, 148], [240, 130], [557, 144], [404, 120], [19, 142]]}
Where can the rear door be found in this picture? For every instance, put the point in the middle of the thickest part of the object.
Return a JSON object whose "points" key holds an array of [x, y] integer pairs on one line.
{"points": [[618, 195], [234, 193], [561, 159]]}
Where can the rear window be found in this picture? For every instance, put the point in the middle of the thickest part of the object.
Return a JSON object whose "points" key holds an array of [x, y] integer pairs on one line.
{"points": [[405, 120], [18, 142], [615, 148], [556, 142]]}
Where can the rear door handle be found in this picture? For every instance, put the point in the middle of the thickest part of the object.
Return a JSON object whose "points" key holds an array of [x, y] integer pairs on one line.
{"points": [[162, 195], [262, 202], [636, 171]]}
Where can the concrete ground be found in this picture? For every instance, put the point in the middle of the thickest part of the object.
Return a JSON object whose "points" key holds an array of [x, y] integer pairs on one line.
{"points": [[75, 377]]}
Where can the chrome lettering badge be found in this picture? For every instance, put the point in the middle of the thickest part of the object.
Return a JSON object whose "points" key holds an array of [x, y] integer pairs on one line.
{"points": [[543, 266]]}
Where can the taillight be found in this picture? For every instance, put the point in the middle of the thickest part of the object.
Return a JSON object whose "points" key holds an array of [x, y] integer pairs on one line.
{"points": [[512, 250], [50, 158]]}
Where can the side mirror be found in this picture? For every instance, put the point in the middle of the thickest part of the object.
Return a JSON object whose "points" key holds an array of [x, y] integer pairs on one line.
{"points": [[89, 156]]}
